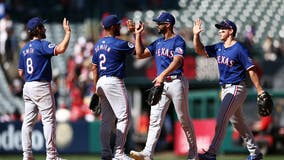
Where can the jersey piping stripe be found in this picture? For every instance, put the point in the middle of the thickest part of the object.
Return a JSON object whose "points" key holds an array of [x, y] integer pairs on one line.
{"points": [[250, 67]]}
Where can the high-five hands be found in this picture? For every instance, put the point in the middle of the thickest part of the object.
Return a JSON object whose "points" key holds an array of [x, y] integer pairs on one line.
{"points": [[136, 28]]}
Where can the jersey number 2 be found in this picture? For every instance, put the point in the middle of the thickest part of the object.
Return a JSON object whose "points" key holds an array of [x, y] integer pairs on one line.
{"points": [[102, 62], [29, 64]]}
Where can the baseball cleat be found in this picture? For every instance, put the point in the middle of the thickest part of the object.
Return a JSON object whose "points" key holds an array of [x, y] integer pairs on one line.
{"points": [[139, 156], [123, 157], [258, 156], [207, 156]]}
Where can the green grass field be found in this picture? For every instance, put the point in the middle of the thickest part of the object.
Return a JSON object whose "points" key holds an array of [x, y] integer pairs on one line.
{"points": [[159, 156]]}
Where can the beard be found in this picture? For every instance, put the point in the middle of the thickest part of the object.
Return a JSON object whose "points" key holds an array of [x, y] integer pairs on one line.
{"points": [[117, 32], [162, 30]]}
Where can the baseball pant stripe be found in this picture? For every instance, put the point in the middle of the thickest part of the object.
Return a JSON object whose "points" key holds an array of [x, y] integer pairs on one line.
{"points": [[127, 113], [224, 122]]}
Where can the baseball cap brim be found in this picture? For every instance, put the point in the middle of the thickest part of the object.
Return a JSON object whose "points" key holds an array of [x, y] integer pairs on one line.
{"points": [[44, 21], [119, 22], [156, 20], [222, 26]]}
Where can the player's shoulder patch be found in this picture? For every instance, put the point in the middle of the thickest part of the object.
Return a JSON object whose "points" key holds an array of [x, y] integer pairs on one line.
{"points": [[179, 50], [51, 45], [130, 45]]}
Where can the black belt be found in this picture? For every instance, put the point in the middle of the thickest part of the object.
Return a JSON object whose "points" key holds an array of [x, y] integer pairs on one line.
{"points": [[229, 84], [172, 77]]}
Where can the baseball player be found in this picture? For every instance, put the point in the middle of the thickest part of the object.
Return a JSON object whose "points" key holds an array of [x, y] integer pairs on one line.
{"points": [[233, 63], [169, 52], [34, 67], [108, 67]]}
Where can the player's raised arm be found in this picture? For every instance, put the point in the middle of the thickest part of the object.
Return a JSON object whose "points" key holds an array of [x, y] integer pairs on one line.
{"points": [[62, 46], [198, 46], [141, 52]]}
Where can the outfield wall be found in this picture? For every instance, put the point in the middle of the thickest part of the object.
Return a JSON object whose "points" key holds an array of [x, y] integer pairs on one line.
{"points": [[72, 137]]}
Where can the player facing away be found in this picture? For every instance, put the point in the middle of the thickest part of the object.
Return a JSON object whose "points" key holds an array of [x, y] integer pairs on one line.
{"points": [[233, 63], [168, 52], [108, 67], [34, 67]]}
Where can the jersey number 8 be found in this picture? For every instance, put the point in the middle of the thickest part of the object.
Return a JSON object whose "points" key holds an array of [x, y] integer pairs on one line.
{"points": [[29, 64]]}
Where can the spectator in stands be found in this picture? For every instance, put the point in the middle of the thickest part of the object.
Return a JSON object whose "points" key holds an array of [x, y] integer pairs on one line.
{"points": [[78, 78], [23, 37], [10, 44], [17, 87], [269, 50], [262, 125], [279, 47], [249, 37], [5, 25], [78, 107]]}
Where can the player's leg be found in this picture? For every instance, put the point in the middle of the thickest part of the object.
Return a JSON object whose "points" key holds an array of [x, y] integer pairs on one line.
{"points": [[232, 97], [157, 117], [116, 94], [239, 124], [30, 117], [179, 93], [107, 125], [46, 104]]}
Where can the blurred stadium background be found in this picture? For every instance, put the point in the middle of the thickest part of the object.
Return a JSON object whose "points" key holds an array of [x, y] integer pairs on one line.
{"points": [[260, 28]]}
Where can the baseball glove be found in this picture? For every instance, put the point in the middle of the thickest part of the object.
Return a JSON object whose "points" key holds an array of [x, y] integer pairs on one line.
{"points": [[95, 104], [155, 94], [265, 104]]}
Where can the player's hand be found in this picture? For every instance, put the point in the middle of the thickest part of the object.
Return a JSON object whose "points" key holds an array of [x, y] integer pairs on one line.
{"points": [[66, 26], [139, 28], [130, 25], [197, 27], [158, 80]]}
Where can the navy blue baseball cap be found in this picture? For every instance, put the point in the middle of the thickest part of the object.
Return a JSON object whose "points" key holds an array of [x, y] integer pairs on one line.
{"points": [[34, 22], [227, 24], [110, 20], [165, 17]]}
